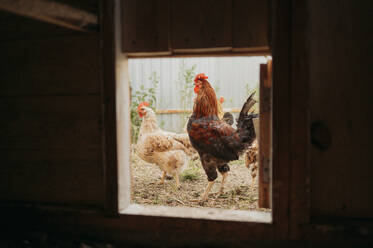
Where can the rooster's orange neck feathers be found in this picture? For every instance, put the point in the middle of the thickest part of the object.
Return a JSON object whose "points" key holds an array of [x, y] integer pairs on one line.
{"points": [[206, 102]]}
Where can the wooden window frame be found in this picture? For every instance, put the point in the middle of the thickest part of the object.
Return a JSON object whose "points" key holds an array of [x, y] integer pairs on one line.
{"points": [[289, 99]]}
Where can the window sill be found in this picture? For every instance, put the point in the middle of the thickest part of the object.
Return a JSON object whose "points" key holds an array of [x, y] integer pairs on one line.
{"points": [[200, 213]]}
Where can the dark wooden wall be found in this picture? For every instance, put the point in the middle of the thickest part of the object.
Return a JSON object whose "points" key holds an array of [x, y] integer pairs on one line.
{"points": [[179, 27], [50, 102], [51, 137], [340, 49]]}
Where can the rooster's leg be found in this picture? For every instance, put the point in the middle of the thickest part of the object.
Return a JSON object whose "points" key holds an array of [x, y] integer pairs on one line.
{"points": [[224, 174], [206, 193], [163, 177]]}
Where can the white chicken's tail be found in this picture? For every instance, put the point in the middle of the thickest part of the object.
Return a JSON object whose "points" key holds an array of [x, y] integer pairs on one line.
{"points": [[185, 164]]}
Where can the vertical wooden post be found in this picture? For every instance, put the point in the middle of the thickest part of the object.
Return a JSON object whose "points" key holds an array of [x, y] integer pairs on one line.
{"points": [[108, 53], [265, 103]]}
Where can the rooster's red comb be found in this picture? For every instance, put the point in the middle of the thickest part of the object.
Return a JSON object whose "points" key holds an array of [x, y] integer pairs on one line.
{"points": [[142, 105], [200, 76]]}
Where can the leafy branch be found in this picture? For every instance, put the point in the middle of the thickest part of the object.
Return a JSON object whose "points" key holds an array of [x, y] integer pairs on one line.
{"points": [[185, 80], [139, 96]]}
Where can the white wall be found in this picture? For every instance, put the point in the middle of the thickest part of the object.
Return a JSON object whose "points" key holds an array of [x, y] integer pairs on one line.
{"points": [[228, 75]]}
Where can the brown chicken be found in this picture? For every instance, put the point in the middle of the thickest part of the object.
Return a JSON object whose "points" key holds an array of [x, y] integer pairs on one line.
{"points": [[251, 161], [217, 142]]}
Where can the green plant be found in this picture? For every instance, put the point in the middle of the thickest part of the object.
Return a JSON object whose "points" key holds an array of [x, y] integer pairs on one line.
{"points": [[190, 174], [185, 81], [250, 90], [217, 89], [139, 96]]}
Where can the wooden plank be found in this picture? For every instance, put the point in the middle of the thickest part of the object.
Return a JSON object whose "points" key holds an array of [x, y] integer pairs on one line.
{"points": [[182, 111], [340, 94], [201, 24], [53, 122], [15, 27], [265, 136], [250, 25], [91, 6], [135, 230], [71, 176], [300, 171], [109, 49], [202, 53], [281, 116], [145, 26], [52, 12], [50, 66]]}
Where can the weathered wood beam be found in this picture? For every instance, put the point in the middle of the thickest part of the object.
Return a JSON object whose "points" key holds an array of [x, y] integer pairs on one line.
{"points": [[182, 111], [52, 12]]}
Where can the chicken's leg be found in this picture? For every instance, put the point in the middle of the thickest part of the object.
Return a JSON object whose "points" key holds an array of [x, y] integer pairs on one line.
{"points": [[177, 181], [206, 193], [253, 174], [163, 177], [224, 174]]}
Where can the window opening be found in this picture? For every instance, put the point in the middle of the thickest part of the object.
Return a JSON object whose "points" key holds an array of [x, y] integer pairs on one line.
{"points": [[162, 95]]}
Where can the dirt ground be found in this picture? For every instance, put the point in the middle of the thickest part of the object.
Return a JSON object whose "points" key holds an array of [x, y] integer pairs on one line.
{"points": [[147, 190]]}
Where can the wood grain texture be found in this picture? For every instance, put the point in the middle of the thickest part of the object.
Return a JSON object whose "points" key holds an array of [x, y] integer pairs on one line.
{"points": [[250, 24], [340, 45], [300, 171], [51, 125], [88, 5], [50, 122], [201, 24], [66, 65], [139, 230], [65, 177], [51, 150], [154, 28], [14, 27], [281, 136], [265, 143], [52, 12], [145, 26], [110, 47], [135, 230]]}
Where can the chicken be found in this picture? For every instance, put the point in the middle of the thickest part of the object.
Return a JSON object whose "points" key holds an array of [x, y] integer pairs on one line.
{"points": [[166, 149], [228, 118], [251, 160], [220, 107], [217, 142], [251, 153]]}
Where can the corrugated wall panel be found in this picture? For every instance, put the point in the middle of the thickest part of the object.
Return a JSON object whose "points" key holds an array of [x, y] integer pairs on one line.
{"points": [[230, 76]]}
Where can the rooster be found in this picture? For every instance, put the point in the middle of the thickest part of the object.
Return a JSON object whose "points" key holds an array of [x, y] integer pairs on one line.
{"points": [[217, 142], [165, 149]]}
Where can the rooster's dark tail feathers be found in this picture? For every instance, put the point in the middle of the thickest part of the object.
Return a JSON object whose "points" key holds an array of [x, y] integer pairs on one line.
{"points": [[247, 106]]}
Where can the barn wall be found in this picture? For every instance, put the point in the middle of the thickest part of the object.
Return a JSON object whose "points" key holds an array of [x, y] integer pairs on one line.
{"points": [[51, 144], [340, 98], [51, 147]]}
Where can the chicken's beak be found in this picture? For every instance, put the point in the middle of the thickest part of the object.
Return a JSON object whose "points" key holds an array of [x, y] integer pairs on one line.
{"points": [[140, 113]]}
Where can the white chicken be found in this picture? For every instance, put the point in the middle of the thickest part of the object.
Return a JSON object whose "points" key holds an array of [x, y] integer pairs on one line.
{"points": [[166, 149]]}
